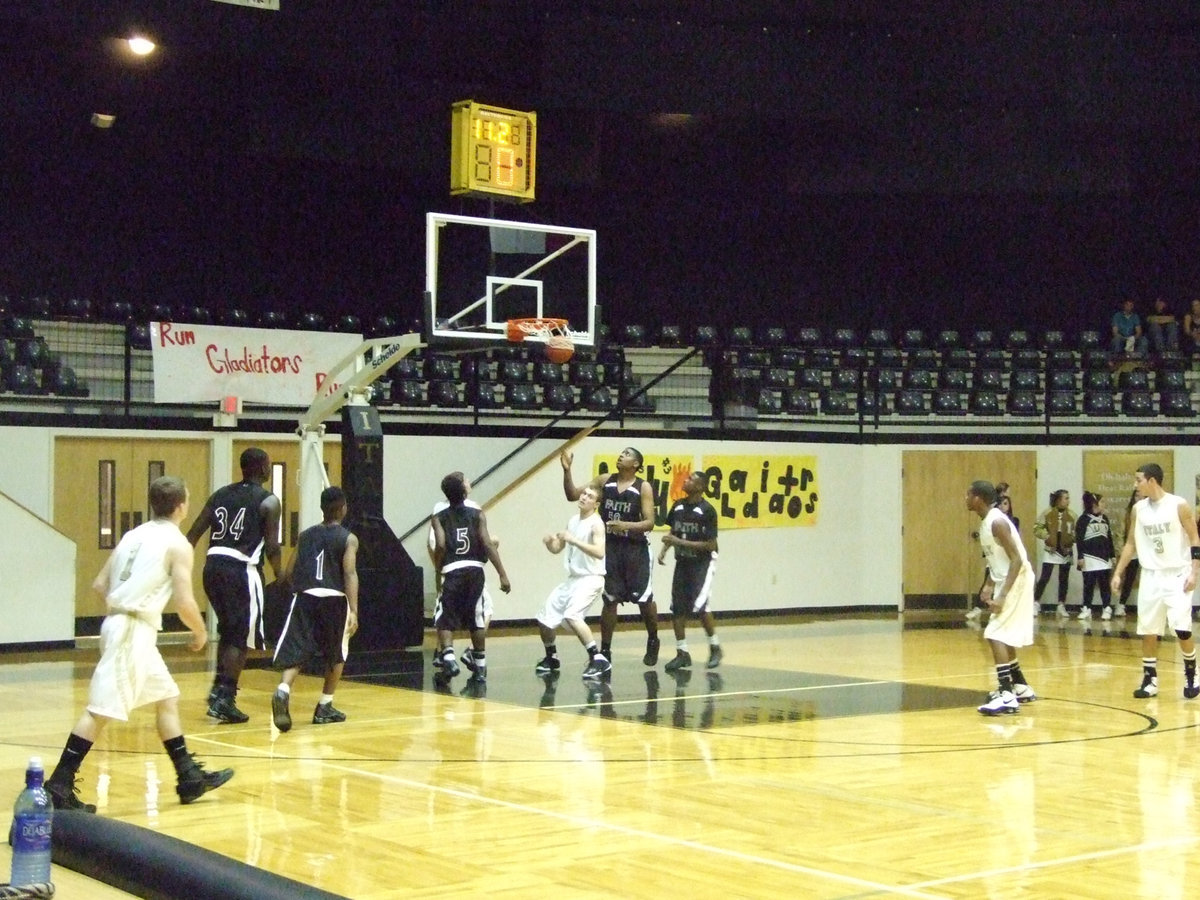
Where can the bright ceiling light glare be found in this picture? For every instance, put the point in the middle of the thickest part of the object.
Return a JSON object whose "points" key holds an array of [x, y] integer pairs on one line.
{"points": [[141, 46]]}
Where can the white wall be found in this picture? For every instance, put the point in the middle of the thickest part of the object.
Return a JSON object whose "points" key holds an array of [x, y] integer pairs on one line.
{"points": [[38, 601], [851, 557], [767, 568], [26, 475]]}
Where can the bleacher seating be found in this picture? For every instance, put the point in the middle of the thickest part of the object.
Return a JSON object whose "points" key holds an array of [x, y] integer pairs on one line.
{"points": [[520, 395], [950, 403], [444, 394], [1022, 403], [1063, 403], [770, 402], [407, 392], [1176, 403], [798, 371], [1099, 403], [1137, 403], [1024, 380], [953, 379], [599, 399], [1060, 380], [799, 402], [559, 396], [985, 402], [912, 403], [845, 379], [670, 336]]}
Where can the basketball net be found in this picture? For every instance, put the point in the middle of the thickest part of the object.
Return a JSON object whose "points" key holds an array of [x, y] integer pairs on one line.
{"points": [[541, 329]]}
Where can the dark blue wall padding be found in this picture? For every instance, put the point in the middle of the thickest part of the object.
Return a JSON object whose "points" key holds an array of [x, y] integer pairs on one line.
{"points": [[158, 867]]}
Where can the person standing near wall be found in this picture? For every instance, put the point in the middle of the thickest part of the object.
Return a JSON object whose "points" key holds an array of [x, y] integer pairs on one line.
{"points": [[1055, 528], [1094, 547], [1163, 535], [1008, 593], [242, 521]]}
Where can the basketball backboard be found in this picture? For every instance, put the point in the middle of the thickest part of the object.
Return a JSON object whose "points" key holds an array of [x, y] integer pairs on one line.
{"points": [[479, 273]]}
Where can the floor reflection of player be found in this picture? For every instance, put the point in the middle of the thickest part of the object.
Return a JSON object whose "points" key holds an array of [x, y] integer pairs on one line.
{"points": [[1011, 803], [1167, 792], [679, 707], [651, 715]]}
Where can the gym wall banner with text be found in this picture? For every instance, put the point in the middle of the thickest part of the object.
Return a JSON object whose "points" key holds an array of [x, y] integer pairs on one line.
{"points": [[748, 490], [203, 363]]}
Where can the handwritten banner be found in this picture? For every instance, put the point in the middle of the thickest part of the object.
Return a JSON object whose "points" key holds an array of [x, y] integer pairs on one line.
{"points": [[203, 363], [748, 490]]}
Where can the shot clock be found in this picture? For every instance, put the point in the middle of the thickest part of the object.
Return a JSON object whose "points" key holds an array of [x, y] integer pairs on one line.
{"points": [[492, 152]]}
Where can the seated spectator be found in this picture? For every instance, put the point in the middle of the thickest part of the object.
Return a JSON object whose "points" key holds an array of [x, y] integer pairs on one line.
{"points": [[1191, 325], [1127, 337], [1163, 328]]}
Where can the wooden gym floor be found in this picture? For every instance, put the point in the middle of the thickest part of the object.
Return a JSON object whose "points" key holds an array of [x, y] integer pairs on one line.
{"points": [[828, 757]]}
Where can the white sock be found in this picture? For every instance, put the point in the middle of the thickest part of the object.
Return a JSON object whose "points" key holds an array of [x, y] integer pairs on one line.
{"points": [[713, 640], [284, 688], [681, 646], [325, 698]]}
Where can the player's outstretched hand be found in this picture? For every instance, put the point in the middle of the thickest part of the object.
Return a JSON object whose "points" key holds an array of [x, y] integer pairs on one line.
{"points": [[199, 639], [566, 458], [505, 585]]}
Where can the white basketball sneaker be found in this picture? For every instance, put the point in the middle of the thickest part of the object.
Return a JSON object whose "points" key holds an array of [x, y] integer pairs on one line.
{"points": [[1003, 703]]}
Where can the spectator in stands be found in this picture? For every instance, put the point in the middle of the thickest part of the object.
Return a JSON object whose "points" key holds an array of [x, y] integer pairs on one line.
{"points": [[1127, 336], [1191, 325], [1163, 328]]}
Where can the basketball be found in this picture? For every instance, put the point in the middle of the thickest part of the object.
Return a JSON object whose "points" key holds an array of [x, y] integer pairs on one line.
{"points": [[559, 348]]}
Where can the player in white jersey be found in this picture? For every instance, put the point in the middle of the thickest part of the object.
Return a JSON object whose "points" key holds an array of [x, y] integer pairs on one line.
{"points": [[583, 539], [1008, 593], [151, 565], [1162, 535]]}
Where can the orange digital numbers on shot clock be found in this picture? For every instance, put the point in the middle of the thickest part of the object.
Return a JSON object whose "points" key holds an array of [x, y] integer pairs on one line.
{"points": [[492, 152]]}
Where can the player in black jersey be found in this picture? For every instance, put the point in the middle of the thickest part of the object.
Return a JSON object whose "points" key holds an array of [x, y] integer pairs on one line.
{"points": [[242, 521], [627, 508], [693, 524], [462, 545], [323, 576]]}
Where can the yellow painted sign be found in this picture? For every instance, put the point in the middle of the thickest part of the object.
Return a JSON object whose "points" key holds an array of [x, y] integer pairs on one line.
{"points": [[748, 490]]}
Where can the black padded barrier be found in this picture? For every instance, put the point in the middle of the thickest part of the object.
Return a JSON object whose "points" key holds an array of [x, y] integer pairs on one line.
{"points": [[159, 867]]}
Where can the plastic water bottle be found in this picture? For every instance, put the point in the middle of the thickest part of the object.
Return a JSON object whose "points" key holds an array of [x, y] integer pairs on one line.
{"points": [[33, 814]]}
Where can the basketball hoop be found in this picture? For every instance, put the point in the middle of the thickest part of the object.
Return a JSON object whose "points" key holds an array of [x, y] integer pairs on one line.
{"points": [[540, 329], [554, 333]]}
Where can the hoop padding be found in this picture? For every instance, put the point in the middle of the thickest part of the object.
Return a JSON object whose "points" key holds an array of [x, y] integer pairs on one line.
{"points": [[146, 863], [519, 329]]}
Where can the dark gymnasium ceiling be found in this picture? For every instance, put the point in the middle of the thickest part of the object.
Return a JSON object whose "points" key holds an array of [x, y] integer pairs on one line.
{"points": [[859, 156]]}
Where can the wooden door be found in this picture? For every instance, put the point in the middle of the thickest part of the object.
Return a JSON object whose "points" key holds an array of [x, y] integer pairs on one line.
{"points": [[285, 477], [100, 492], [943, 564]]}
